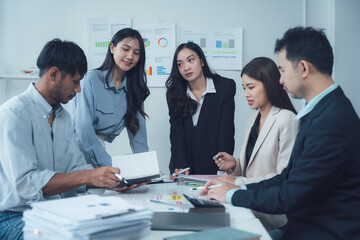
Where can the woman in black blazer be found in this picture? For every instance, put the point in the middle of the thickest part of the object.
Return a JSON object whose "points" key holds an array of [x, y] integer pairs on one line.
{"points": [[201, 108]]}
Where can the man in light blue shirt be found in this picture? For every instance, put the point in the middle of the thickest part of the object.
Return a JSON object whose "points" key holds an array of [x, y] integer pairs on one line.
{"points": [[39, 158]]}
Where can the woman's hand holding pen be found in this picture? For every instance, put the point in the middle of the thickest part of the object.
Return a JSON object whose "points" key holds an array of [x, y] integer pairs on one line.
{"points": [[184, 171], [225, 161]]}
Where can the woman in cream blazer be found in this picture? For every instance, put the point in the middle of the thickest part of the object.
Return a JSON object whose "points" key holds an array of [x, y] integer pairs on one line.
{"points": [[270, 132], [272, 149]]}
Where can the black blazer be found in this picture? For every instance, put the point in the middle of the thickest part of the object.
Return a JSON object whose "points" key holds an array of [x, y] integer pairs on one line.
{"points": [[320, 189], [194, 147]]}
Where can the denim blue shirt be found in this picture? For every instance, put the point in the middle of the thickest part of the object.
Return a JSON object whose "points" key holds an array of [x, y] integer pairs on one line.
{"points": [[98, 109], [29, 156]]}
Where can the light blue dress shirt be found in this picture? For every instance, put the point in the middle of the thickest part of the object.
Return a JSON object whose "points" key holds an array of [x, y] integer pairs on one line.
{"points": [[98, 109], [29, 156], [304, 111], [308, 107]]}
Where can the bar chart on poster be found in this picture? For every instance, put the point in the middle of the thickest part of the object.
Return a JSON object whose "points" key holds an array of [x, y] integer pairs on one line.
{"points": [[101, 30], [222, 47]]}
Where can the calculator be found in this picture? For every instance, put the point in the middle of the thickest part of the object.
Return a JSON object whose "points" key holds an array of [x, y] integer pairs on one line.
{"points": [[203, 203]]}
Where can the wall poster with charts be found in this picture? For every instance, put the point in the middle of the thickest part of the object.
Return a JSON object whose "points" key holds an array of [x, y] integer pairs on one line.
{"points": [[160, 42], [222, 47], [101, 30]]}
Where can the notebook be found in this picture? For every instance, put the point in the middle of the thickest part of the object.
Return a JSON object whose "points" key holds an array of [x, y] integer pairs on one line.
{"points": [[138, 167]]}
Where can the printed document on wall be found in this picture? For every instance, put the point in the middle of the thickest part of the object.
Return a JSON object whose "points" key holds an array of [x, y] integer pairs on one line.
{"points": [[160, 43], [101, 30], [222, 47]]}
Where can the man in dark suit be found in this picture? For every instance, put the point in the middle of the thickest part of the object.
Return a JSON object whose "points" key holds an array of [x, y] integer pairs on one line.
{"points": [[320, 189]]}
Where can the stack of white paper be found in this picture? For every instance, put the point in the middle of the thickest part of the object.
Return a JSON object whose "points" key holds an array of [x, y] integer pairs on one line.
{"points": [[86, 217]]}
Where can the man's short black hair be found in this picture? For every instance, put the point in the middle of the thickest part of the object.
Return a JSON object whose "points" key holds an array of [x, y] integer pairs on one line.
{"points": [[307, 43], [65, 55]]}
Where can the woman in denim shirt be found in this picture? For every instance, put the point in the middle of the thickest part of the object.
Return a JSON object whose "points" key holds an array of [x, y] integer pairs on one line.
{"points": [[111, 98]]}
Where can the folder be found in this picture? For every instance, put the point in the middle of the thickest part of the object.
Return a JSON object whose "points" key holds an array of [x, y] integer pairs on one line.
{"points": [[192, 221]]}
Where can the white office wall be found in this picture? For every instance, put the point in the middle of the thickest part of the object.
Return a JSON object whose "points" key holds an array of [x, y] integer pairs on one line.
{"points": [[27, 25], [341, 21], [320, 14], [347, 49]]}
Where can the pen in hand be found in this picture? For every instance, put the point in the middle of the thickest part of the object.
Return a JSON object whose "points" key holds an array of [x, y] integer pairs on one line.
{"points": [[121, 178], [182, 171]]}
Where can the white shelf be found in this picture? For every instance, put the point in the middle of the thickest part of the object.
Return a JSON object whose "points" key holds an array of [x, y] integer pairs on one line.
{"points": [[18, 77]]}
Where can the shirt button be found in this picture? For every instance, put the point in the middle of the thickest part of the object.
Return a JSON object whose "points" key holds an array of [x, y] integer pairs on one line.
{"points": [[44, 116]]}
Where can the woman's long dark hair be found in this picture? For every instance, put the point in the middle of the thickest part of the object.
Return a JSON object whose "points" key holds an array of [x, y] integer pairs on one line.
{"points": [[265, 70], [176, 85], [137, 90]]}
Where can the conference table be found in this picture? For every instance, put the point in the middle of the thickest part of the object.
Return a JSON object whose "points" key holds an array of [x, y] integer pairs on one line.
{"points": [[161, 197]]}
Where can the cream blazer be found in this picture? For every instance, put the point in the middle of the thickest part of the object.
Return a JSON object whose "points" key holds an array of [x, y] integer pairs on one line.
{"points": [[272, 149]]}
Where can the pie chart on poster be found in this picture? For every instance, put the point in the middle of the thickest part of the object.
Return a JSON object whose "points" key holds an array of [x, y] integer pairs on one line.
{"points": [[163, 42], [146, 42]]}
